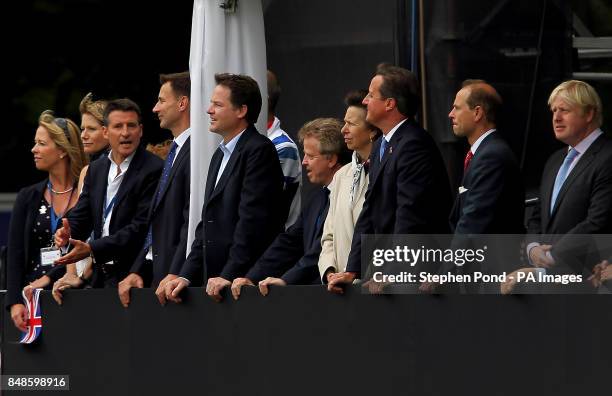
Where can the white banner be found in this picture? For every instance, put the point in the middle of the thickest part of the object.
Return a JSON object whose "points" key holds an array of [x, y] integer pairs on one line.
{"points": [[220, 42]]}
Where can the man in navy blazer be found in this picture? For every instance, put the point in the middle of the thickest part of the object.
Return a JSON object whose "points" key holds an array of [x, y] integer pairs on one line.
{"points": [[491, 199], [293, 256], [243, 210], [409, 190], [115, 200], [165, 247], [576, 187]]}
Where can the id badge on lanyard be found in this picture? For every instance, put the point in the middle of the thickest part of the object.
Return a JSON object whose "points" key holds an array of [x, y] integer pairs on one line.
{"points": [[48, 255]]}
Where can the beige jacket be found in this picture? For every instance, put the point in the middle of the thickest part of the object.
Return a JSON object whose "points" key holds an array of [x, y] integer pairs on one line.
{"points": [[341, 218]]}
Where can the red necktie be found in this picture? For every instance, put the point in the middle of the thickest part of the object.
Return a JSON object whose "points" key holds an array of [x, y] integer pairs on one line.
{"points": [[468, 158]]}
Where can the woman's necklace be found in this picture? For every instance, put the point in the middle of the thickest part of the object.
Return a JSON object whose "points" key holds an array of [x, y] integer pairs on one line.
{"points": [[60, 192]]}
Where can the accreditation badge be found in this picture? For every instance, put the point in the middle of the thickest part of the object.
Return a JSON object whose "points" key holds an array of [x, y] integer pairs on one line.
{"points": [[49, 255]]}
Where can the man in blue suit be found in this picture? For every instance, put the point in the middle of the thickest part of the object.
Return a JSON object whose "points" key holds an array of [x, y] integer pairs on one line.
{"points": [[163, 253], [293, 256], [243, 209], [409, 191]]}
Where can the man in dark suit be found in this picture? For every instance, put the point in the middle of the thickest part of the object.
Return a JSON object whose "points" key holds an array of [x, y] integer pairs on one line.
{"points": [[491, 199], [409, 191], [576, 187], [293, 256], [165, 247], [115, 200], [242, 211]]}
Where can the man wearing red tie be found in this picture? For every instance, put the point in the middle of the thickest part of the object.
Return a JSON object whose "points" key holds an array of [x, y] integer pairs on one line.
{"points": [[491, 198]]}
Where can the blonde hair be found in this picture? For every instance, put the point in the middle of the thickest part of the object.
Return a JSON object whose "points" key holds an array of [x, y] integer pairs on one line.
{"points": [[93, 108], [328, 132], [67, 136], [581, 94]]}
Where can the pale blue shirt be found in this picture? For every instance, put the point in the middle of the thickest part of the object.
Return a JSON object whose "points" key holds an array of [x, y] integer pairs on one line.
{"points": [[580, 148], [227, 150]]}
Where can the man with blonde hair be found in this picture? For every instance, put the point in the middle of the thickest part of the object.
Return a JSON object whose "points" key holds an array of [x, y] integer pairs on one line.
{"points": [[576, 187]]}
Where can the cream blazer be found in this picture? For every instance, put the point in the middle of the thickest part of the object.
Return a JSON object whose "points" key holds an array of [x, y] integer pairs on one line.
{"points": [[341, 218]]}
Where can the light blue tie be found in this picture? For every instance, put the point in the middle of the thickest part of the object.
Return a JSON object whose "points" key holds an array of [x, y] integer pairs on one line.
{"points": [[383, 146], [562, 175]]}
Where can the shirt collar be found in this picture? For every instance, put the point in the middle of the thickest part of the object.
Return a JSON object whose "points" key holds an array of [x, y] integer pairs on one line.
{"points": [[231, 145], [585, 143], [275, 129], [182, 138], [126, 162], [389, 135], [480, 139]]}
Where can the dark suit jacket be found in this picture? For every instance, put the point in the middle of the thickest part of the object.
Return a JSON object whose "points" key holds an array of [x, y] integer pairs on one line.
{"points": [[494, 200], [241, 216], [20, 238], [294, 254], [169, 221], [409, 192], [128, 224], [584, 203]]}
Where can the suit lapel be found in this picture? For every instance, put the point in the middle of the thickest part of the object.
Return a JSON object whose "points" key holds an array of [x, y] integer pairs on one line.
{"points": [[584, 162], [548, 182], [32, 212], [177, 163], [131, 175], [213, 170], [233, 160], [97, 195], [393, 145], [311, 230]]}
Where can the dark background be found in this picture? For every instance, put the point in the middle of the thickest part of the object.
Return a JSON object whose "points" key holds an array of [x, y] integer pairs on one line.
{"points": [[319, 50]]}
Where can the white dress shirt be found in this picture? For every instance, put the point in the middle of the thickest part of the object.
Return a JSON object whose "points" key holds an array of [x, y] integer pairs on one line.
{"points": [[115, 177]]}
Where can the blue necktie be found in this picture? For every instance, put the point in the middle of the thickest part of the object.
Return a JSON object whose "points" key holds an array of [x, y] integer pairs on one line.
{"points": [[162, 186], [383, 146], [561, 176]]}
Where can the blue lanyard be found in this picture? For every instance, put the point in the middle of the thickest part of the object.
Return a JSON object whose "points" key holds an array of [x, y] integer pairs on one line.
{"points": [[108, 209]]}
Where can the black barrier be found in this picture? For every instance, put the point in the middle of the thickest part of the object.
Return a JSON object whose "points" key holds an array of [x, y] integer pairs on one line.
{"points": [[305, 341]]}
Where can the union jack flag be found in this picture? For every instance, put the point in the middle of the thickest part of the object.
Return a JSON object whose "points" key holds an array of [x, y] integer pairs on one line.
{"points": [[34, 321]]}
